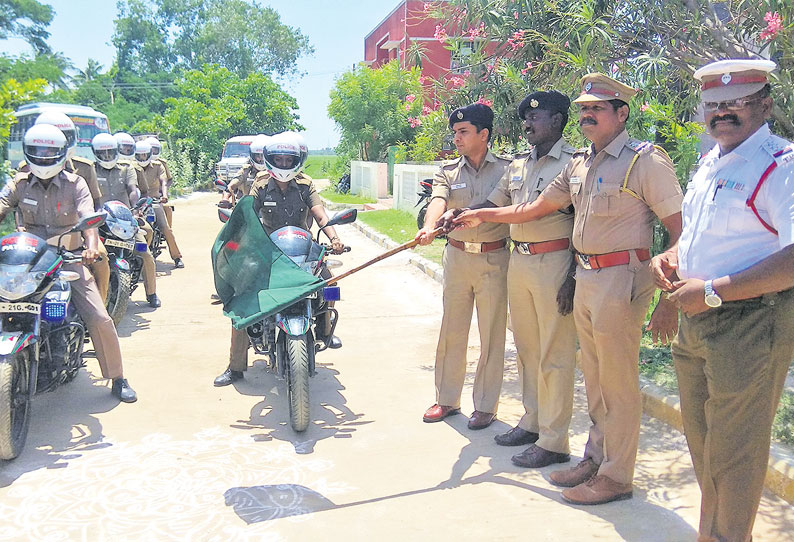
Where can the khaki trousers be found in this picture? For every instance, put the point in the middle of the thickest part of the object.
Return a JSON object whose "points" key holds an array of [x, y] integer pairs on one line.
{"points": [[101, 271], [144, 235], [238, 353], [169, 215], [546, 345], [731, 364], [162, 223], [609, 309], [468, 279], [91, 309]]}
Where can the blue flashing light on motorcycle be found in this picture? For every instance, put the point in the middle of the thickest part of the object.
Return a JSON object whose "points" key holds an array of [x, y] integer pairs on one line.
{"points": [[331, 293], [54, 311]]}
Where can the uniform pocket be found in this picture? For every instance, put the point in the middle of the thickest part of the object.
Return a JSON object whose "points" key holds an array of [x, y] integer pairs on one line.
{"points": [[605, 201]]}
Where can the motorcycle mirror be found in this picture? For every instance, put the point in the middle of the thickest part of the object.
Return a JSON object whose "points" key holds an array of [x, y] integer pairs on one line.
{"points": [[94, 220], [344, 217], [143, 201], [220, 185], [224, 214]]}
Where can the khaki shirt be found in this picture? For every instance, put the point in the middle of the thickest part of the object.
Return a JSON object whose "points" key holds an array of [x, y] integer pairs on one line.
{"points": [[79, 166], [244, 180], [117, 183], [291, 207], [152, 175], [607, 218], [460, 185], [48, 209], [525, 179]]}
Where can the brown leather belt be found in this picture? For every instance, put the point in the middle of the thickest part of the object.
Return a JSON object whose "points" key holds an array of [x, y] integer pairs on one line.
{"points": [[476, 248], [542, 247], [611, 259]]}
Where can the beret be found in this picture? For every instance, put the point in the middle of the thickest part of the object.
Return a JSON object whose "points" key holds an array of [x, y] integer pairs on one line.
{"points": [[553, 101], [476, 113]]}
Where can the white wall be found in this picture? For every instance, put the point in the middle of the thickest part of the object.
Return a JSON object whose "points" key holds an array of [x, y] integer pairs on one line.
{"points": [[406, 184], [368, 179]]}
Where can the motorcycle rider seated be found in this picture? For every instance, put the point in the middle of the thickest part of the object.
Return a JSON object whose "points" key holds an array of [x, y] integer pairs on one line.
{"points": [[283, 196], [155, 187], [169, 179], [118, 181], [244, 180], [52, 201]]}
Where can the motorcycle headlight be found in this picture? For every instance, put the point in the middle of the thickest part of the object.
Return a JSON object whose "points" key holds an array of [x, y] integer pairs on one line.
{"points": [[16, 282], [122, 229]]}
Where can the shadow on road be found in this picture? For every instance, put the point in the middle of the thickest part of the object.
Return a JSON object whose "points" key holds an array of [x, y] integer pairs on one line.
{"points": [[331, 417], [62, 427]]}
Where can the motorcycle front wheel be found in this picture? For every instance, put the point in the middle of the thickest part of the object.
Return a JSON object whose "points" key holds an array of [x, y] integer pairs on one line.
{"points": [[420, 218], [15, 398], [156, 246], [119, 291], [298, 380]]}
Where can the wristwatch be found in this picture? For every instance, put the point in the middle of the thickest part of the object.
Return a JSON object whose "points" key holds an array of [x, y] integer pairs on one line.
{"points": [[713, 300]]}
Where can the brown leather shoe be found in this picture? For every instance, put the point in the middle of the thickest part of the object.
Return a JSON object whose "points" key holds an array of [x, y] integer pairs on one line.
{"points": [[481, 420], [437, 412], [574, 476], [599, 489], [516, 437], [536, 457]]}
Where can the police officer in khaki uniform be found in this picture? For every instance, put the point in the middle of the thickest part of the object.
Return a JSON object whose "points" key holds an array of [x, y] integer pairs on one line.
{"points": [[52, 201], [475, 271], [169, 179], [154, 186], [731, 275], [118, 182], [540, 287], [616, 186], [283, 196]]}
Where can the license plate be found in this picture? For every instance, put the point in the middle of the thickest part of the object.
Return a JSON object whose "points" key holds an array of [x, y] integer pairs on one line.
{"points": [[129, 245], [32, 308]]}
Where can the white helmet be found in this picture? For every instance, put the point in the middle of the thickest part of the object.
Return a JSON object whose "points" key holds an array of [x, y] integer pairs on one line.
{"points": [[143, 153], [64, 124], [285, 155], [106, 150], [257, 151], [155, 144], [45, 149], [126, 145]]}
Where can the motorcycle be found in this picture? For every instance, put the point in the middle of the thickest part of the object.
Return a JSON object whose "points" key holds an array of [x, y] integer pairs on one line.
{"points": [[41, 334], [289, 338], [118, 235], [158, 239], [426, 190]]}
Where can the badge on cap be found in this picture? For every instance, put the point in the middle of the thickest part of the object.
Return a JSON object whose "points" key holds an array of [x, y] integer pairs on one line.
{"points": [[460, 115], [533, 103], [726, 78], [588, 86]]}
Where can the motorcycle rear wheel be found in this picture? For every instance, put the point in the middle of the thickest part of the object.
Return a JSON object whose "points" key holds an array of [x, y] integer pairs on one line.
{"points": [[119, 291], [15, 399], [298, 381], [156, 246]]}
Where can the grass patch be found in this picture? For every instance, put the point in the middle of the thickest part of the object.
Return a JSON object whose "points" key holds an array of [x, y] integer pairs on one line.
{"points": [[783, 428], [8, 225], [400, 226], [332, 195], [318, 166]]}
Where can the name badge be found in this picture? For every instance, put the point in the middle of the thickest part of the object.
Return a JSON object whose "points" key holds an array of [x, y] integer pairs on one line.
{"points": [[30, 201], [457, 186], [516, 177], [576, 180], [268, 203], [101, 178]]}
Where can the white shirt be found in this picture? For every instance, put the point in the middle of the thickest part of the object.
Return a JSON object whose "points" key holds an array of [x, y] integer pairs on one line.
{"points": [[721, 234]]}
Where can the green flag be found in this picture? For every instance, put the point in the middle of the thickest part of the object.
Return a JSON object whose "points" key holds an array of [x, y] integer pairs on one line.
{"points": [[253, 278]]}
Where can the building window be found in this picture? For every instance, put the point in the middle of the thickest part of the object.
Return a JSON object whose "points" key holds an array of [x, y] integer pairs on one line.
{"points": [[460, 57]]}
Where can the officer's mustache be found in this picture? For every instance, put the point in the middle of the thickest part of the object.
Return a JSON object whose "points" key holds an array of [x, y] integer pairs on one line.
{"points": [[729, 117], [587, 121]]}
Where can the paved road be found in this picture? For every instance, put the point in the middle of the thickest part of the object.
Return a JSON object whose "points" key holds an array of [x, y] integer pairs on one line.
{"points": [[191, 462]]}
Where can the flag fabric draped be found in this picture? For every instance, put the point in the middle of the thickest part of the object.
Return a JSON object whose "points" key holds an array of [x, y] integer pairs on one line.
{"points": [[253, 278]]}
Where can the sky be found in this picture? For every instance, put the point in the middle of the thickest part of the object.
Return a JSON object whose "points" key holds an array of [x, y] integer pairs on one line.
{"points": [[336, 29]]}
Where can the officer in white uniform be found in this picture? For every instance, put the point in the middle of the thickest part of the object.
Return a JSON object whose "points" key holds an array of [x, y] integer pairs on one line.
{"points": [[731, 275]]}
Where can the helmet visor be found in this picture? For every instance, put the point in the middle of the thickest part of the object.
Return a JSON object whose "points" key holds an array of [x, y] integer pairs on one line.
{"points": [[143, 156], [127, 149], [44, 156], [284, 161], [258, 157], [106, 155], [71, 137]]}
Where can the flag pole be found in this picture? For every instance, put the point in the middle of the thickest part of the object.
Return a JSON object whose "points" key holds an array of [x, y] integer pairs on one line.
{"points": [[392, 252]]}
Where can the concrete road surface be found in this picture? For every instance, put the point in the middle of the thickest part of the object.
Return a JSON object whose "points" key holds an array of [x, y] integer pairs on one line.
{"points": [[191, 462]]}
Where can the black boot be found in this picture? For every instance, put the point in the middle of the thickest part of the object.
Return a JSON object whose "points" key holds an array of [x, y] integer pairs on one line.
{"points": [[153, 300], [123, 391], [227, 377]]}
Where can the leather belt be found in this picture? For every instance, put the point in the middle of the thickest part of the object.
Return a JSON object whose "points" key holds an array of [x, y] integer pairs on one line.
{"points": [[476, 248], [611, 259], [542, 247]]}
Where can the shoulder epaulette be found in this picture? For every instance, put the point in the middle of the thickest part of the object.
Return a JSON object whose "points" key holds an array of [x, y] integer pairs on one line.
{"points": [[452, 162], [82, 160], [640, 147]]}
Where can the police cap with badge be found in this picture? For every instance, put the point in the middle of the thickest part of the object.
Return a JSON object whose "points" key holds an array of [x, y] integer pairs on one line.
{"points": [[477, 114], [552, 101], [727, 80], [597, 87]]}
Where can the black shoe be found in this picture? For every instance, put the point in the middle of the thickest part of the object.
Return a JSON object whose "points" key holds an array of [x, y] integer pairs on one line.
{"points": [[178, 263], [123, 391], [536, 457], [228, 377], [334, 342], [516, 437], [153, 300]]}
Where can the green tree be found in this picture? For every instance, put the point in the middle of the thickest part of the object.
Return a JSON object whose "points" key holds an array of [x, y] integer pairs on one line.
{"points": [[26, 19]]}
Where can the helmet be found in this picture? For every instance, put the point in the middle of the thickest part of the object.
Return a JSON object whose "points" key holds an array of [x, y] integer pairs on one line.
{"points": [[156, 147], [257, 151], [126, 145], [45, 147], [143, 153], [106, 150], [64, 124], [285, 155]]}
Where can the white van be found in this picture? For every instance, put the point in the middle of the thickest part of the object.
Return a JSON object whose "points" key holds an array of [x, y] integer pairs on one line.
{"points": [[235, 156]]}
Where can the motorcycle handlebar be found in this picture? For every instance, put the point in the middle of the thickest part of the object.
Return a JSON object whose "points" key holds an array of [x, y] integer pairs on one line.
{"points": [[329, 248]]}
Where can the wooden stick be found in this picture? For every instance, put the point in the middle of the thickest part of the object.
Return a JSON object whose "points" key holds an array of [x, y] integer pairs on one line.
{"points": [[392, 252]]}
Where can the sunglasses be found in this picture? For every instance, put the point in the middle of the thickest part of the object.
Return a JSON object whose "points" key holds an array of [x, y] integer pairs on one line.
{"points": [[732, 105]]}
